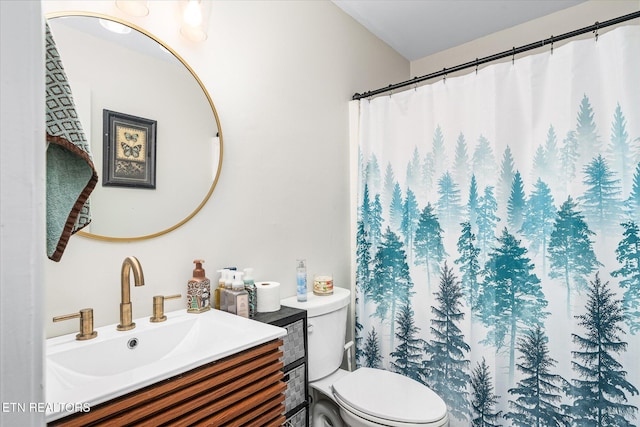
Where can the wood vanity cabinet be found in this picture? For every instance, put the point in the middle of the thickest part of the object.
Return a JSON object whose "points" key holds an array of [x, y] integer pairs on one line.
{"points": [[295, 361], [246, 389]]}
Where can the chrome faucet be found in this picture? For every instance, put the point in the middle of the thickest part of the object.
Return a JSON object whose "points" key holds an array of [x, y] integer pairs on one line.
{"points": [[129, 264]]}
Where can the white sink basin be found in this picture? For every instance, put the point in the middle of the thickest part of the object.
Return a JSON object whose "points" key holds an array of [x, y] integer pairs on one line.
{"points": [[80, 374]]}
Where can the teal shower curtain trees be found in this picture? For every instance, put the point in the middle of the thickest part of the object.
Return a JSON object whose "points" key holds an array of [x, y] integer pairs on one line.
{"points": [[498, 241]]}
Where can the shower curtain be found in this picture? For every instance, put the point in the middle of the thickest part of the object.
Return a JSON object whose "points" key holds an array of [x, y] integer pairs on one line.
{"points": [[497, 236]]}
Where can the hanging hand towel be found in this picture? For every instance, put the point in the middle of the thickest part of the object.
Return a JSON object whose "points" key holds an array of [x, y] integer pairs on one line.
{"points": [[71, 175]]}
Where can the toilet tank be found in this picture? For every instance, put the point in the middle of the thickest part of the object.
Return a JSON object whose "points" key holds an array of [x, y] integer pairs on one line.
{"points": [[326, 329]]}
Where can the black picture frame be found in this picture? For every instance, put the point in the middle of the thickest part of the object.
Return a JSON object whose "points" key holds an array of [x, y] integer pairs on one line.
{"points": [[129, 150]]}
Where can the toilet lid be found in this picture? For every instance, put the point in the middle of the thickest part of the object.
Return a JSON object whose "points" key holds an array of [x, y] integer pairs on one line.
{"points": [[390, 396]]}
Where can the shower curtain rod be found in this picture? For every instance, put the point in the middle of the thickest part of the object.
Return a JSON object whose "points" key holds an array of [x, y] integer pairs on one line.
{"points": [[507, 53]]}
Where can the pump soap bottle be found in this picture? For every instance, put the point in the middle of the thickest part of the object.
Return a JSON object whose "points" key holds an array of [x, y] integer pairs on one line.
{"points": [[224, 293], [198, 290], [237, 297], [217, 294]]}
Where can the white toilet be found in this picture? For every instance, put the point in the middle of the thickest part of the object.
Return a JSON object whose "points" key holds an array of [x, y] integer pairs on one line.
{"points": [[365, 397]]}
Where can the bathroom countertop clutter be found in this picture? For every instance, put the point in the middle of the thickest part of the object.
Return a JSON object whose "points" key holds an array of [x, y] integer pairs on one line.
{"points": [[238, 293], [260, 296]]}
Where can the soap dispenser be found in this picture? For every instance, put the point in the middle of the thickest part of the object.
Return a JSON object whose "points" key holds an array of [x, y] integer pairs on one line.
{"points": [[217, 293], [228, 281], [198, 290], [237, 297]]}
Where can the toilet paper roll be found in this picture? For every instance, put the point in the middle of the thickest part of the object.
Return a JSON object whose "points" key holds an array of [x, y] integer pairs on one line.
{"points": [[268, 296]]}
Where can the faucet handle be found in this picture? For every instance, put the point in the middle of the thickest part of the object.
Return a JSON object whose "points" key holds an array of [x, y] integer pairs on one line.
{"points": [[158, 307], [86, 323]]}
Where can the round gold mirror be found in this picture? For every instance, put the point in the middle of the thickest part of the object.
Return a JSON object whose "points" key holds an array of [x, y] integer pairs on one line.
{"points": [[126, 75]]}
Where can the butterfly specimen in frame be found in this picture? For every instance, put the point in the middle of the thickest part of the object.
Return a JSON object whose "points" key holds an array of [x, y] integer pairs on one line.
{"points": [[131, 150], [131, 136]]}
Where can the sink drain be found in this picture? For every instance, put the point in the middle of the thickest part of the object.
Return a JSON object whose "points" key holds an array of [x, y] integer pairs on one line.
{"points": [[132, 343]]}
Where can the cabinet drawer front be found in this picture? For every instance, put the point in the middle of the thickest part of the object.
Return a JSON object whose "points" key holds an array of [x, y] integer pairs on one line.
{"points": [[296, 392], [293, 347], [233, 388], [299, 419]]}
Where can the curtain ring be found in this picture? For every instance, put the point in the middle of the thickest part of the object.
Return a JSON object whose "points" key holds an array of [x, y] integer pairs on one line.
{"points": [[596, 30], [513, 56], [444, 75], [552, 45], [476, 66]]}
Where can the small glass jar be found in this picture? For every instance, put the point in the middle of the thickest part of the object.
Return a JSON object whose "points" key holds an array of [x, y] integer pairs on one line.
{"points": [[323, 285]]}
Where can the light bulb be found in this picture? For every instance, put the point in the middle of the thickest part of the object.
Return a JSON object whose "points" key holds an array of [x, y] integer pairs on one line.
{"points": [[193, 14], [195, 19], [133, 7]]}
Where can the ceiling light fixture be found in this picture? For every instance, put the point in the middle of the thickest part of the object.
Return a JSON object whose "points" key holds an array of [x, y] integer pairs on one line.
{"points": [[195, 19], [133, 7]]}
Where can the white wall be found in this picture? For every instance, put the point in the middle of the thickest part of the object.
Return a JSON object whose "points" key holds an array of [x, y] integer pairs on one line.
{"points": [[22, 243], [281, 74]]}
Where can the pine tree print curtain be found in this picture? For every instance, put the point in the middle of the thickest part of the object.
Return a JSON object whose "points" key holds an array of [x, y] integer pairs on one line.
{"points": [[498, 241]]}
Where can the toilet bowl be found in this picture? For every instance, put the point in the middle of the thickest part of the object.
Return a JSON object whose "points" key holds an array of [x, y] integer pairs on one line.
{"points": [[374, 397], [365, 397], [326, 413]]}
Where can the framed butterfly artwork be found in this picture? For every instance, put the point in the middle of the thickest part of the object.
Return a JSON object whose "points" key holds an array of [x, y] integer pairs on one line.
{"points": [[129, 150]]}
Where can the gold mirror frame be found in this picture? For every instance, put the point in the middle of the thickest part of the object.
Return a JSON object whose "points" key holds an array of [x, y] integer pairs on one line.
{"points": [[213, 109]]}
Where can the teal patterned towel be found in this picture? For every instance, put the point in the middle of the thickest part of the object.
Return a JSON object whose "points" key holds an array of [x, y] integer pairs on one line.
{"points": [[71, 175]]}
